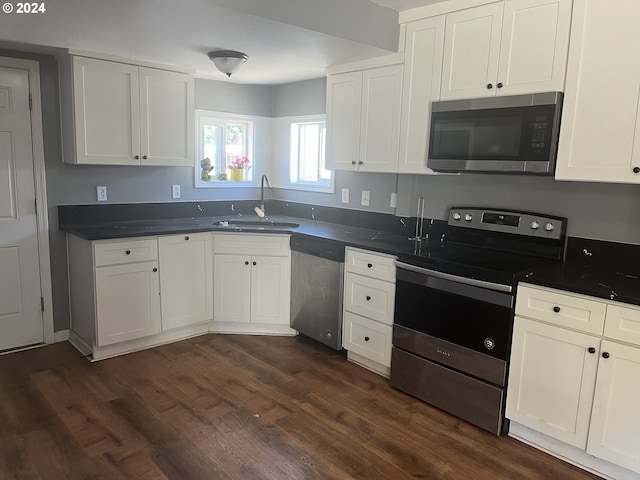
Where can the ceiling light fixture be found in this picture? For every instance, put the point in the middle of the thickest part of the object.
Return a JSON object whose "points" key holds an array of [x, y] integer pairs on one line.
{"points": [[227, 61]]}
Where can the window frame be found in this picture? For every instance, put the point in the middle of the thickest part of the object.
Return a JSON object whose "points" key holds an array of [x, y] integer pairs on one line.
{"points": [[217, 118], [322, 187]]}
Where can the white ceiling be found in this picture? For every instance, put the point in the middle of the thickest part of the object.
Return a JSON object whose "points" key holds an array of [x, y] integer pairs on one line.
{"points": [[286, 40]]}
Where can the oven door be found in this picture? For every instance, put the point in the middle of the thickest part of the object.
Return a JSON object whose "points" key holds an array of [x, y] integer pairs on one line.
{"points": [[464, 324]]}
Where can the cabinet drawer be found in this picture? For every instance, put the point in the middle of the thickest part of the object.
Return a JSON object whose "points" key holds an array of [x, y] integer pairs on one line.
{"points": [[560, 309], [623, 323], [247, 244], [382, 267], [129, 251], [369, 297], [367, 338]]}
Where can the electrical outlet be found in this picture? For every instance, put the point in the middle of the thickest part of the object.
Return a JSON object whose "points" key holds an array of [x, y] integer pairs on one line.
{"points": [[101, 193], [365, 198], [175, 191], [392, 202], [345, 195]]}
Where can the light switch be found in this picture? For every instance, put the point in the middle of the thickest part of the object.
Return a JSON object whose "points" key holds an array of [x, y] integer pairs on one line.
{"points": [[345, 195], [365, 198], [392, 202]]}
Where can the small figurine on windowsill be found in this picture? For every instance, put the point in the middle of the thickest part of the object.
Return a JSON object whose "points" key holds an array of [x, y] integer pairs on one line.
{"points": [[205, 169]]}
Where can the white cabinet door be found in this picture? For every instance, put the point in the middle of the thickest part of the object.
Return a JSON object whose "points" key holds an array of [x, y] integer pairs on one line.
{"points": [[615, 423], [471, 51], [533, 52], [551, 380], [599, 138], [232, 288], [186, 276], [270, 289], [421, 86], [106, 112], [166, 117], [344, 109], [127, 302], [380, 119]]}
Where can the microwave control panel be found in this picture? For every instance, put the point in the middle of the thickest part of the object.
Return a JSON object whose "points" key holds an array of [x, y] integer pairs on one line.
{"points": [[539, 134]]}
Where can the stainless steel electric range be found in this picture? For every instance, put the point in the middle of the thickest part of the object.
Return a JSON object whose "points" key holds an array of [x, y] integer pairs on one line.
{"points": [[454, 309]]}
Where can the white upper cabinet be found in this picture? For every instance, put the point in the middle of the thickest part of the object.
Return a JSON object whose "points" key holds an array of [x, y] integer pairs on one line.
{"points": [[363, 119], [107, 113], [421, 86], [600, 136], [121, 114], [166, 118], [506, 48], [380, 121], [344, 105]]}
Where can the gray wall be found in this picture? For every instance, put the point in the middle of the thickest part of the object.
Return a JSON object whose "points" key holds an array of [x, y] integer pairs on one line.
{"points": [[308, 98]]}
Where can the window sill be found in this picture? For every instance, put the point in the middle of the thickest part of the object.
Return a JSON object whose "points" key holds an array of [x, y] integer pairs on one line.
{"points": [[307, 188]]}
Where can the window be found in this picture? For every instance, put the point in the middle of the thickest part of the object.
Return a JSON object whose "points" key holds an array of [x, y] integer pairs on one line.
{"points": [[225, 149], [307, 155]]}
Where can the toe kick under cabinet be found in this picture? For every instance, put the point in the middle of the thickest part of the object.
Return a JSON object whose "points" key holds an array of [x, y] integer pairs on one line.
{"points": [[574, 379], [129, 294], [369, 297]]}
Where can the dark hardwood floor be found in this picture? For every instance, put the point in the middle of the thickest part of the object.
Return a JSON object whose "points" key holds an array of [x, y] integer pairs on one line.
{"points": [[236, 407]]}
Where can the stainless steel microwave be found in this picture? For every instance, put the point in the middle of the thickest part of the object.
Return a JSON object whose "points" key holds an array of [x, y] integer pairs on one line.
{"points": [[512, 134]]}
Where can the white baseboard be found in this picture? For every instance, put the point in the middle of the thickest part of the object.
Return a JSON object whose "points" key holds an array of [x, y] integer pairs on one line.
{"points": [[252, 328], [61, 336]]}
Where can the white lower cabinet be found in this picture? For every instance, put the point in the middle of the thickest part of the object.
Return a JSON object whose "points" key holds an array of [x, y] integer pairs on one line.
{"points": [[186, 277], [114, 290], [369, 296], [574, 383], [252, 283], [127, 302]]}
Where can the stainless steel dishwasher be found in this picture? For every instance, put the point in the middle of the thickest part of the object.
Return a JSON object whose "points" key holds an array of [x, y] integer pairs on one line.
{"points": [[317, 272]]}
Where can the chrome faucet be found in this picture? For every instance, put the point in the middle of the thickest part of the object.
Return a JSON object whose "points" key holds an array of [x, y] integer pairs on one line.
{"points": [[262, 180]]}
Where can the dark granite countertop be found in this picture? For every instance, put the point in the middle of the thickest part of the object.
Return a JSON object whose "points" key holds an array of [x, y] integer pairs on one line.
{"points": [[373, 239], [606, 270]]}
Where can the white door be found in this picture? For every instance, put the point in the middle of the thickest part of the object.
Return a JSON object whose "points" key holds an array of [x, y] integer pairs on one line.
{"points": [[21, 321], [270, 289], [127, 302], [166, 117], [232, 288], [107, 112], [344, 105], [471, 50], [421, 86], [380, 120], [551, 380], [533, 52], [186, 275], [615, 422]]}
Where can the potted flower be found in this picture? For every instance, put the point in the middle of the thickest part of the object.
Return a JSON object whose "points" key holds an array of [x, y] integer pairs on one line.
{"points": [[237, 168]]}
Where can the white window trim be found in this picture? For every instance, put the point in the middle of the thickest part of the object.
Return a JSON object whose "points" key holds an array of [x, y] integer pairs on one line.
{"points": [[217, 115], [302, 186]]}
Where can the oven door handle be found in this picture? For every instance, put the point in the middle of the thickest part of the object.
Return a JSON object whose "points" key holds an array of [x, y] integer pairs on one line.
{"points": [[455, 278]]}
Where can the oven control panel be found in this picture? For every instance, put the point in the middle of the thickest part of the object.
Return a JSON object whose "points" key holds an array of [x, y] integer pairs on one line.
{"points": [[520, 223]]}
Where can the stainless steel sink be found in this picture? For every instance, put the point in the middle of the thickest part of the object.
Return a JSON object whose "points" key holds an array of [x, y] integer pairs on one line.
{"points": [[257, 223]]}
